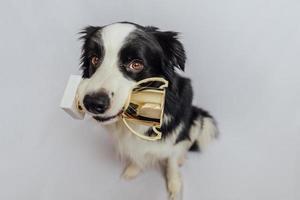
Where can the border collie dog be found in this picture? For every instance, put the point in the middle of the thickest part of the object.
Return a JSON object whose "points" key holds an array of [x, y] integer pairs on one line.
{"points": [[114, 58]]}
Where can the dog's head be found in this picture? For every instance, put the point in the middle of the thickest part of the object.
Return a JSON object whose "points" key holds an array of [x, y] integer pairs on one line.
{"points": [[116, 56]]}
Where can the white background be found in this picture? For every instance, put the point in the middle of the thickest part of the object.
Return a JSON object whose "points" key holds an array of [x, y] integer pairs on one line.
{"points": [[243, 59]]}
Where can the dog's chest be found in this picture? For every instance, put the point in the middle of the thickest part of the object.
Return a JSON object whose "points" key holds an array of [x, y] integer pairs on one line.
{"points": [[141, 151]]}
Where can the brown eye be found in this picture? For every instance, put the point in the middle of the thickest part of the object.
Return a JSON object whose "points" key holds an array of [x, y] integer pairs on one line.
{"points": [[136, 66], [94, 60]]}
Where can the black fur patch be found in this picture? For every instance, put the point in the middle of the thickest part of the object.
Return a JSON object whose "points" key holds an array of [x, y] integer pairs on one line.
{"points": [[195, 147]]}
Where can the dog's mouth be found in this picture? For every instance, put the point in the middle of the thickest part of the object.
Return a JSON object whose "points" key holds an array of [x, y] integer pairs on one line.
{"points": [[107, 119]]}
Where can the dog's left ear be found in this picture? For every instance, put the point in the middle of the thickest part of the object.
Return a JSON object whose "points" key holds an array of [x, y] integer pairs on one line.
{"points": [[172, 47]]}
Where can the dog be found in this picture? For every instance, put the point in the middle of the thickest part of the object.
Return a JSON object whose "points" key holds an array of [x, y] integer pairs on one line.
{"points": [[114, 58]]}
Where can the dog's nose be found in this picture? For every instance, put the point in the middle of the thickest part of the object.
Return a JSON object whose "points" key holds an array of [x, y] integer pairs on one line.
{"points": [[96, 103]]}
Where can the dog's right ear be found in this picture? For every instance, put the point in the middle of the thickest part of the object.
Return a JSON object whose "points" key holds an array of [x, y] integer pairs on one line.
{"points": [[88, 31]]}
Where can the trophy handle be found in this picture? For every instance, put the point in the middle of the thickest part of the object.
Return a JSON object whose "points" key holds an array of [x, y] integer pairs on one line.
{"points": [[149, 138], [158, 79]]}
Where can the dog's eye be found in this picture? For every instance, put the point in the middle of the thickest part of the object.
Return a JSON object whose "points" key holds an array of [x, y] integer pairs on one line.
{"points": [[136, 66], [94, 60]]}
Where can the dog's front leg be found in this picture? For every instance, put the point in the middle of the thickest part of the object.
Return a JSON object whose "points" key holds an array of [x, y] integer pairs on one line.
{"points": [[131, 171], [174, 182]]}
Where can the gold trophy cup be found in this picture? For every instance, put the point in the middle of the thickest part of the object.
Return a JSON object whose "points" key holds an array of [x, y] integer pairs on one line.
{"points": [[145, 106]]}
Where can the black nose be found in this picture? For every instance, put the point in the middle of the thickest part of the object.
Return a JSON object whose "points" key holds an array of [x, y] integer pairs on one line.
{"points": [[96, 103]]}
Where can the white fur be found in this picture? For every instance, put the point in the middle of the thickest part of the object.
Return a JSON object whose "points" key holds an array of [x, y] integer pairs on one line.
{"points": [[208, 134], [141, 153]]}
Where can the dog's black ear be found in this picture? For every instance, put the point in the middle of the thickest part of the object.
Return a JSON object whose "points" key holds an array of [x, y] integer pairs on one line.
{"points": [[172, 47], [88, 31]]}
